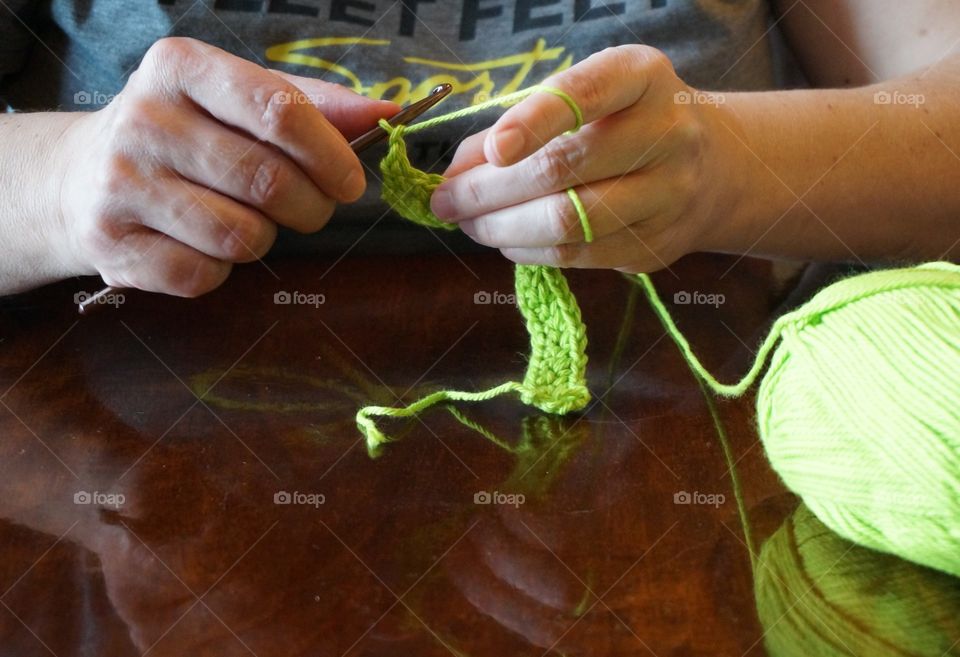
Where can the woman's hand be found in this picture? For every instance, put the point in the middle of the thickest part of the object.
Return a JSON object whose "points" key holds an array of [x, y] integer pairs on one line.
{"points": [[194, 164], [649, 165]]}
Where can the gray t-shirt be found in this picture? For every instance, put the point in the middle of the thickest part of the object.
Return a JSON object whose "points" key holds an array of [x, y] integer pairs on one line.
{"points": [[76, 54]]}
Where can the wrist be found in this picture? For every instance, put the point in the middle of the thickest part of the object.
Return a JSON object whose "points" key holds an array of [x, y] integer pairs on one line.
{"points": [[731, 168], [66, 147]]}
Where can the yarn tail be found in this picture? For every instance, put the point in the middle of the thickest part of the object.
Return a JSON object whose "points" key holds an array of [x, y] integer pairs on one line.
{"points": [[724, 389], [555, 381], [376, 438]]}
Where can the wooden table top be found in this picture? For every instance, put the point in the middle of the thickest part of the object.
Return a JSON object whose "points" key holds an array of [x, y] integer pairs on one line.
{"points": [[147, 451]]}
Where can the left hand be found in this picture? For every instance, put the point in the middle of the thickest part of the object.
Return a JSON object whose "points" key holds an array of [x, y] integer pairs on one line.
{"points": [[650, 165]]}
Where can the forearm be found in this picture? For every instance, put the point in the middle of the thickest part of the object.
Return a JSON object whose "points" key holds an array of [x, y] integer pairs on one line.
{"points": [[835, 174], [32, 251]]}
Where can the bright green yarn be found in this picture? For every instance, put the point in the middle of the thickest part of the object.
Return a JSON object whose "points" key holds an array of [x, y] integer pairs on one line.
{"points": [[555, 380], [859, 410], [405, 188], [820, 596], [868, 382]]}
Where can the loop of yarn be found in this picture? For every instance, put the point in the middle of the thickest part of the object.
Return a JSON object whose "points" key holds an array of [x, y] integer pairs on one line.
{"points": [[555, 380]]}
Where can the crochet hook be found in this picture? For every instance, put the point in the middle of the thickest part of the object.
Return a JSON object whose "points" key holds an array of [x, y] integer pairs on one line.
{"points": [[360, 144]]}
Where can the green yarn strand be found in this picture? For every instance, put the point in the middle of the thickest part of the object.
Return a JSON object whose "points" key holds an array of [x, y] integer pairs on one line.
{"points": [[503, 101], [376, 438], [723, 389], [858, 409], [938, 275], [581, 214], [555, 380]]}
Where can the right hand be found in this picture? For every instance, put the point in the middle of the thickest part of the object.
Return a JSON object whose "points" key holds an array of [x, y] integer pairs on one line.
{"points": [[195, 163]]}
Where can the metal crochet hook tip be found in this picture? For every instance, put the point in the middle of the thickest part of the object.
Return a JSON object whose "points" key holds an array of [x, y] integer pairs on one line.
{"points": [[403, 117], [358, 145]]}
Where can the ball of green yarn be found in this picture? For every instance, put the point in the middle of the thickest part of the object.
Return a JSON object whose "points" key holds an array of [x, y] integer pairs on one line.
{"points": [[819, 595], [859, 410]]}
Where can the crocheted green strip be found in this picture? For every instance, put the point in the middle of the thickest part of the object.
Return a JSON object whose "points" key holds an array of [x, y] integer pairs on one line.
{"points": [[556, 374], [555, 380]]}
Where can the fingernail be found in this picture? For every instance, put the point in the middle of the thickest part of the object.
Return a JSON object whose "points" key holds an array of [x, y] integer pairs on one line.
{"points": [[353, 185], [441, 204], [508, 144]]}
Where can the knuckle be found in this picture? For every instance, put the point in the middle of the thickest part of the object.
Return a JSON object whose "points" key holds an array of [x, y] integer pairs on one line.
{"points": [[562, 255], [100, 231], [483, 232], [197, 276], [168, 53], [265, 180], [113, 179], [685, 139], [135, 118], [589, 88], [562, 219], [685, 183], [635, 56], [554, 165], [471, 193], [247, 239], [690, 136], [320, 215], [277, 114]]}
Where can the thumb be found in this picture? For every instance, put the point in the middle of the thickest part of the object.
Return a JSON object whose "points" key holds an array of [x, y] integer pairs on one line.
{"points": [[348, 111]]}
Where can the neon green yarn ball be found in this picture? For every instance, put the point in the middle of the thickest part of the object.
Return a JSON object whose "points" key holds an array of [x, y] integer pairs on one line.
{"points": [[859, 410]]}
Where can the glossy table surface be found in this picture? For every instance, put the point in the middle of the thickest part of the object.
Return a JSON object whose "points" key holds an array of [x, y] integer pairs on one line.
{"points": [[185, 477]]}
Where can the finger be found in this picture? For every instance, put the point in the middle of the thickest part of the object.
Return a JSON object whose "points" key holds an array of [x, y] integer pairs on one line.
{"points": [[158, 263], [613, 147], [610, 206], [246, 96], [348, 111], [602, 84], [255, 174], [209, 222], [626, 250], [469, 154]]}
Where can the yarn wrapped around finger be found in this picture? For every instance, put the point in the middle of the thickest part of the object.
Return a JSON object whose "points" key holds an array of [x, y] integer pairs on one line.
{"points": [[859, 410], [555, 380]]}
